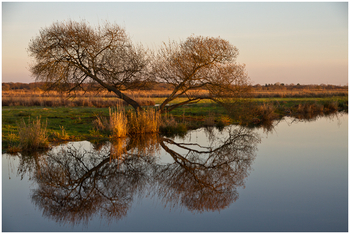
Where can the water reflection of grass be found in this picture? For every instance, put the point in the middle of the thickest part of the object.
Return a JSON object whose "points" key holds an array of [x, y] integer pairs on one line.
{"points": [[76, 123]]}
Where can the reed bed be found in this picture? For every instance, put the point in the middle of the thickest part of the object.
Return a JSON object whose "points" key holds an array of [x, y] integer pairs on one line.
{"points": [[118, 123], [144, 97], [315, 108], [121, 123], [299, 93], [69, 102], [146, 94], [104, 94], [115, 123], [144, 122]]}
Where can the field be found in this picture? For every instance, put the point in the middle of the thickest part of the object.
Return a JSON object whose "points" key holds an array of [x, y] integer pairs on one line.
{"points": [[72, 119], [37, 97]]}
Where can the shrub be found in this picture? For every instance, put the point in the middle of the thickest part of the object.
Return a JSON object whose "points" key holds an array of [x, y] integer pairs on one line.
{"points": [[266, 112], [32, 135]]}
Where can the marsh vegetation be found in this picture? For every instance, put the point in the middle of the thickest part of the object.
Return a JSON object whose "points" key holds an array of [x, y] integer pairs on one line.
{"points": [[88, 123], [36, 94]]}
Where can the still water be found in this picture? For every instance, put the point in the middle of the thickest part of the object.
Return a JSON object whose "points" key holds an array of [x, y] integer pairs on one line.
{"points": [[292, 178]]}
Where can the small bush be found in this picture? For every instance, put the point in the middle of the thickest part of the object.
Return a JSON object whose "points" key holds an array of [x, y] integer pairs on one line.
{"points": [[32, 135], [263, 115]]}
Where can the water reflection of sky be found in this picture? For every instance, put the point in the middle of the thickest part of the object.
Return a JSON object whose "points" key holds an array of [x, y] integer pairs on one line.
{"points": [[298, 182], [300, 177]]}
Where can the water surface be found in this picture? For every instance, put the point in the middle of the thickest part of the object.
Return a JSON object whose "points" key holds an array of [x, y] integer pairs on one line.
{"points": [[293, 178]]}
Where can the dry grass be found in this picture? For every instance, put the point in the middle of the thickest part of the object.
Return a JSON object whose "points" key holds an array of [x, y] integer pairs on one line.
{"points": [[115, 123], [143, 122], [265, 114], [70, 102], [118, 123], [32, 135], [102, 94], [298, 93], [144, 97], [121, 123], [279, 92], [331, 106]]}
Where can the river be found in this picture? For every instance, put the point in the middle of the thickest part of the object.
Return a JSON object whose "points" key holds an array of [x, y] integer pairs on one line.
{"points": [[293, 177]]}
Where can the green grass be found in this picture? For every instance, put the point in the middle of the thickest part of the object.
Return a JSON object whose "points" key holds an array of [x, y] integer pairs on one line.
{"points": [[77, 122]]}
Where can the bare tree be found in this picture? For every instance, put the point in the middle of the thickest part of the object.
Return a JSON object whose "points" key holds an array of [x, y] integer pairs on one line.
{"points": [[72, 52], [200, 63]]}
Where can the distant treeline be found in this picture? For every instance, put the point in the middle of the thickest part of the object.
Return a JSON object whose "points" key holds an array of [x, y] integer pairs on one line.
{"points": [[88, 87], [282, 86], [162, 86]]}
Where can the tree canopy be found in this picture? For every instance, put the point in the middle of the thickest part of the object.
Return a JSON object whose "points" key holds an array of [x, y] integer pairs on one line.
{"points": [[72, 52], [75, 53], [200, 63]]}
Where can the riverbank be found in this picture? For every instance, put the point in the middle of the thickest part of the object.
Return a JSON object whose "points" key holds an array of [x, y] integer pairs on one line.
{"points": [[77, 123]]}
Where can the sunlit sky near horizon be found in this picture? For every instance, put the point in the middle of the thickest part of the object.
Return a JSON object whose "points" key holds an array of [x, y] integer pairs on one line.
{"points": [[287, 42]]}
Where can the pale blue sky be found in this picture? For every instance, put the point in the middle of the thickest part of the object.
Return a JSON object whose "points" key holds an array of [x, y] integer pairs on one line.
{"points": [[294, 42]]}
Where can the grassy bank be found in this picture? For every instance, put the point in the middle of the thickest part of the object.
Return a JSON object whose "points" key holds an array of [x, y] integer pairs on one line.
{"points": [[79, 123]]}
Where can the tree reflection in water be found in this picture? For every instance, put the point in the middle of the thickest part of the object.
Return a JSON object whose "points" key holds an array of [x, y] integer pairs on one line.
{"points": [[75, 184], [206, 178]]}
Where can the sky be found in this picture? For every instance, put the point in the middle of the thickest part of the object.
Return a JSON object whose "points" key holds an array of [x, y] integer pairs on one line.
{"points": [[286, 42]]}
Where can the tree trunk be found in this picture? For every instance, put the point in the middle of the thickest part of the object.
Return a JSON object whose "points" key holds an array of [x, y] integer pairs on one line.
{"points": [[122, 96]]}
